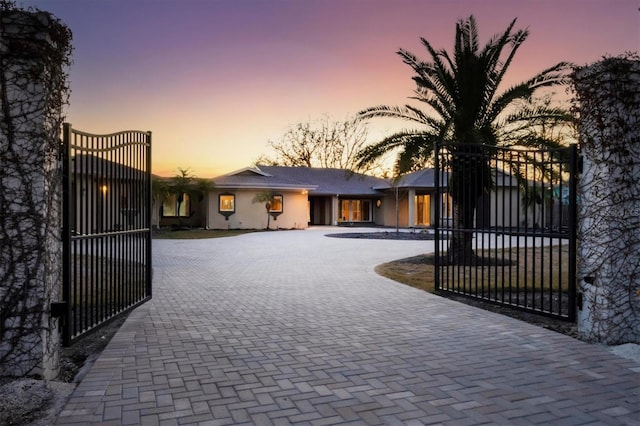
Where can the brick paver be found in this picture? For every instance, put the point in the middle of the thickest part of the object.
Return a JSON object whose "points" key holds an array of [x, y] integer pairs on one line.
{"points": [[293, 327]]}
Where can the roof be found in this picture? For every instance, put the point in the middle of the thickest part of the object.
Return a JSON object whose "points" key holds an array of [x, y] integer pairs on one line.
{"points": [[255, 178], [328, 181], [318, 181], [425, 179]]}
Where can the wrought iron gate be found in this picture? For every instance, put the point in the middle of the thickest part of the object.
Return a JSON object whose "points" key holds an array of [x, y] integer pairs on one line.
{"points": [[505, 229], [106, 227]]}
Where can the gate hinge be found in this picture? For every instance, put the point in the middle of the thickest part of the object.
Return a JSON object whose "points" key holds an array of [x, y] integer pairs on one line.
{"points": [[61, 156], [58, 309]]}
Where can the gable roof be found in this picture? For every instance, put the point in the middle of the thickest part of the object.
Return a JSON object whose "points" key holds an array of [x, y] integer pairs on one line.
{"points": [[255, 178]]}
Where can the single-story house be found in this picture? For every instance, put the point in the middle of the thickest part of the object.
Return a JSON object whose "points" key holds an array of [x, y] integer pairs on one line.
{"points": [[306, 196]]}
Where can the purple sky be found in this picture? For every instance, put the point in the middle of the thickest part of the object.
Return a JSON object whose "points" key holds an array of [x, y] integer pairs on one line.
{"points": [[215, 80]]}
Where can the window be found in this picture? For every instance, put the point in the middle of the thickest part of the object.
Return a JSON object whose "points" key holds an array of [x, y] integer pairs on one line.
{"points": [[227, 203], [276, 204], [355, 210], [447, 206], [170, 207], [345, 208], [422, 210]]}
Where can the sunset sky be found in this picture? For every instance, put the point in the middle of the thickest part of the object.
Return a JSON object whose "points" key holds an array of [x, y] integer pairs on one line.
{"points": [[215, 80]]}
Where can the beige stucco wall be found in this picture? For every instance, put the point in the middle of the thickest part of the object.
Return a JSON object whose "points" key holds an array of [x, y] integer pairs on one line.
{"points": [[250, 215], [388, 210]]}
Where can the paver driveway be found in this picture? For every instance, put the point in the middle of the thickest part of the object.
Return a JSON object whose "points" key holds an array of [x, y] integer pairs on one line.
{"points": [[294, 327]]}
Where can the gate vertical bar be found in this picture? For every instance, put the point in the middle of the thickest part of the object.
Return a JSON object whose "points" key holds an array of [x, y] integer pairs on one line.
{"points": [[436, 238], [66, 231], [572, 224], [149, 198]]}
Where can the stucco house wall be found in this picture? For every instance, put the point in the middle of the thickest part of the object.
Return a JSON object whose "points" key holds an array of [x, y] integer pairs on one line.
{"points": [[387, 210], [250, 215]]}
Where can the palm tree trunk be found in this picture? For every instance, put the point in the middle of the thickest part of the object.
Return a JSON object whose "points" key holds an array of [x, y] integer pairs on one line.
{"points": [[470, 178], [178, 213], [460, 246]]}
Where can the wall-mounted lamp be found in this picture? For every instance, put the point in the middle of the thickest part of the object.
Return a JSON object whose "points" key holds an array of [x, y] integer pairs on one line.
{"points": [[104, 189], [378, 203]]}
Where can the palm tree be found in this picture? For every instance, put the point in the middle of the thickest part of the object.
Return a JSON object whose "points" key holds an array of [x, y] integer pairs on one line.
{"points": [[160, 191], [265, 197], [466, 113], [201, 187], [181, 184], [186, 183]]}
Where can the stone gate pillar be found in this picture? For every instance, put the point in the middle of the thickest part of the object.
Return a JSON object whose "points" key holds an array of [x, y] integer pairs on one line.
{"points": [[609, 201], [34, 51]]}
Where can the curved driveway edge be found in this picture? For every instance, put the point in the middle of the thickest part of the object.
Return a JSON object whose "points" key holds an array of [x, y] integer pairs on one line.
{"points": [[292, 327]]}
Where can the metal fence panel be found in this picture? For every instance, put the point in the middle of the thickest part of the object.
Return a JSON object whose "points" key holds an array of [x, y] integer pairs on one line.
{"points": [[106, 226], [515, 242]]}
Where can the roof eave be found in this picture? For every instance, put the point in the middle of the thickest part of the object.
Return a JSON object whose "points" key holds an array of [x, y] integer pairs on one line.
{"points": [[265, 186]]}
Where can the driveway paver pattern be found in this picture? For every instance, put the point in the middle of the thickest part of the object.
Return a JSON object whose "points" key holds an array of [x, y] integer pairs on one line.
{"points": [[293, 327]]}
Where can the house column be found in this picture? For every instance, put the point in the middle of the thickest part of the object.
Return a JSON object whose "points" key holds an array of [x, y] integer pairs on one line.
{"points": [[411, 203], [609, 194], [335, 209]]}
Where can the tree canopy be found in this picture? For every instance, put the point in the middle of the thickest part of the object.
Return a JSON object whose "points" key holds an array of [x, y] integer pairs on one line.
{"points": [[324, 142]]}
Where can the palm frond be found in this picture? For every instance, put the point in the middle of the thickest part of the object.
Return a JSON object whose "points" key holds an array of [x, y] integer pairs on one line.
{"points": [[444, 111], [433, 78], [407, 113], [417, 152], [500, 104], [390, 143], [515, 40], [555, 75]]}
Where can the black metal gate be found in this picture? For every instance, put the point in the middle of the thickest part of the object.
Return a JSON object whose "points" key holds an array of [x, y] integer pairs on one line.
{"points": [[106, 227], [505, 226]]}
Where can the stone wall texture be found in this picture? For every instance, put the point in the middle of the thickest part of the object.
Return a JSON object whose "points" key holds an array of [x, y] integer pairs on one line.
{"points": [[609, 201], [32, 45]]}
